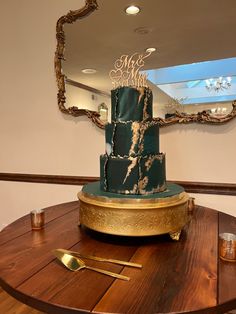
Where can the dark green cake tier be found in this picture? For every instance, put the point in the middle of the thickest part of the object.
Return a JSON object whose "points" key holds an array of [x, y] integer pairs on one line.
{"points": [[131, 104], [133, 175], [132, 138], [93, 189]]}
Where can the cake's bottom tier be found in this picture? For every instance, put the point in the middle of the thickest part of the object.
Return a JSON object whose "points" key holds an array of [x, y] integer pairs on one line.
{"points": [[133, 175]]}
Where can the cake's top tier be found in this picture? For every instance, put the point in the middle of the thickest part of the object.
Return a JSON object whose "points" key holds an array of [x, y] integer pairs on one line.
{"points": [[131, 104]]}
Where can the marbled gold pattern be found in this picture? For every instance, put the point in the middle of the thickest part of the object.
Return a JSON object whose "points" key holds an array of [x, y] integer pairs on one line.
{"points": [[131, 166], [159, 188], [141, 93], [142, 183], [149, 162], [135, 138], [104, 170], [145, 114]]}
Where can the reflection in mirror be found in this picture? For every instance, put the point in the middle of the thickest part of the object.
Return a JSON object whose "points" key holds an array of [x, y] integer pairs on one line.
{"points": [[191, 91], [88, 46], [103, 111]]}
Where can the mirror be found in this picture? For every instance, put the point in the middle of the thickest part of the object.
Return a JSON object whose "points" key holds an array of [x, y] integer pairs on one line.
{"points": [[90, 39]]}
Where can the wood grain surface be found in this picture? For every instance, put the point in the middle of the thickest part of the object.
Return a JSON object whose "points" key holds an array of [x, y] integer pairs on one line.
{"points": [[9, 305], [177, 277], [21, 226]]}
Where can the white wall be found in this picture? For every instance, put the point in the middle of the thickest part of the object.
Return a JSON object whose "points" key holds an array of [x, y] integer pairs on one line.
{"points": [[204, 153], [18, 199], [35, 137]]}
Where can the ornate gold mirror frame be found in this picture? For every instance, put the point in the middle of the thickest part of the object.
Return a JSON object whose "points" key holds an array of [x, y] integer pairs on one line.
{"points": [[69, 18], [94, 116]]}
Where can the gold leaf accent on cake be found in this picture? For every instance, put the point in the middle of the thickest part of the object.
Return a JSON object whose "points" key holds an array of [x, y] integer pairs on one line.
{"points": [[112, 139], [126, 71], [131, 166], [135, 137], [133, 191], [145, 114], [142, 183], [143, 128], [141, 93], [149, 162], [105, 173], [159, 188]]}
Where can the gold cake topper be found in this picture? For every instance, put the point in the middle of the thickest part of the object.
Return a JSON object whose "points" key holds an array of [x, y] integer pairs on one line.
{"points": [[126, 72]]}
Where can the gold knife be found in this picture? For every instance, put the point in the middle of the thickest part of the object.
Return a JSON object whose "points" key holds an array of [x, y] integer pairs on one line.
{"points": [[100, 259], [75, 264]]}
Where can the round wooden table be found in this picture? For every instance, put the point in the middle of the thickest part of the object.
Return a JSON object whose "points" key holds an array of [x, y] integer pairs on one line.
{"points": [[177, 277]]}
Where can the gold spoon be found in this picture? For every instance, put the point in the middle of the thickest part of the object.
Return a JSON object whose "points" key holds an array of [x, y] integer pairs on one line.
{"points": [[74, 264], [100, 259]]}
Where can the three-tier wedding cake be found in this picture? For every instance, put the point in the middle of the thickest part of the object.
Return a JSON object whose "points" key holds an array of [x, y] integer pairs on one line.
{"points": [[132, 163], [132, 197]]}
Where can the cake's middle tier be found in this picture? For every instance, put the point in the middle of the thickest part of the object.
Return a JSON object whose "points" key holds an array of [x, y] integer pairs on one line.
{"points": [[132, 138]]}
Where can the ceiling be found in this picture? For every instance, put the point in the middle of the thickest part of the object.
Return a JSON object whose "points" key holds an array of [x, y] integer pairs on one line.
{"points": [[183, 31]]}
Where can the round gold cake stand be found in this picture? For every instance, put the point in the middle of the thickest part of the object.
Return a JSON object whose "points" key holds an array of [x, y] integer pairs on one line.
{"points": [[126, 216]]}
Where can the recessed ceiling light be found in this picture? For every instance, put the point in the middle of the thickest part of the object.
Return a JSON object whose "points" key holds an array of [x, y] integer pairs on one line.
{"points": [[89, 71], [151, 49], [132, 10]]}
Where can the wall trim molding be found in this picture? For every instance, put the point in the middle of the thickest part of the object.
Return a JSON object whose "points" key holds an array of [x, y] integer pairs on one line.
{"points": [[189, 186], [47, 178]]}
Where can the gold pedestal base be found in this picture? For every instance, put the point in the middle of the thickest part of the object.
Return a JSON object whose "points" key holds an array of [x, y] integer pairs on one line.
{"points": [[136, 216]]}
